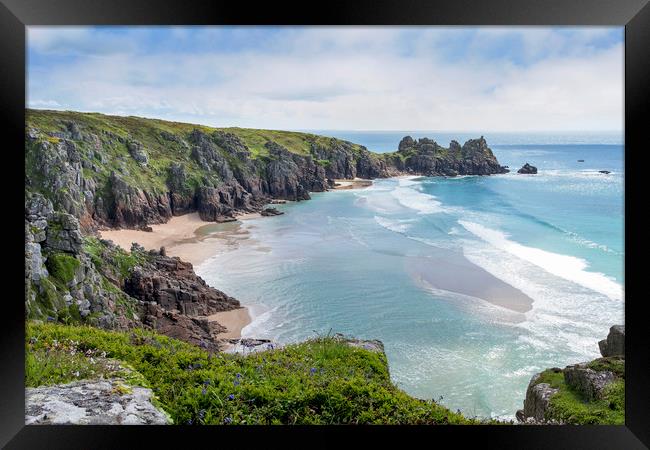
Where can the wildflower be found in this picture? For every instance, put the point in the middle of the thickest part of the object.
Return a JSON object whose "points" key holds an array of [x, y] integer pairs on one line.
{"points": [[238, 375], [206, 382], [203, 391], [236, 382], [202, 414], [231, 397], [50, 319], [227, 420], [312, 371], [76, 374], [189, 422]]}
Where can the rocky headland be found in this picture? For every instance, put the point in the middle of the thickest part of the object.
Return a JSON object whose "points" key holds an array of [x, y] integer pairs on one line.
{"points": [[89, 172]]}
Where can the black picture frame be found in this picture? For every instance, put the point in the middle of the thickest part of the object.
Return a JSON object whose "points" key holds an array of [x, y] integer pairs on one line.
{"points": [[15, 15]]}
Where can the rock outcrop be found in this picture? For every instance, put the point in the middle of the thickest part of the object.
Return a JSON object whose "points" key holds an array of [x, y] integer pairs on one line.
{"points": [[97, 402], [426, 157], [614, 345], [527, 169], [172, 284], [599, 382], [538, 397]]}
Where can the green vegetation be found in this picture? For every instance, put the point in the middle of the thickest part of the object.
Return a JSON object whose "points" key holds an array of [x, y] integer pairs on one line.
{"points": [[569, 406], [120, 260], [320, 381], [164, 142], [62, 267]]}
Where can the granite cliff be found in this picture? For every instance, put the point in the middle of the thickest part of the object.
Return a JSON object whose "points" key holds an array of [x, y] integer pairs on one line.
{"points": [[87, 171]]}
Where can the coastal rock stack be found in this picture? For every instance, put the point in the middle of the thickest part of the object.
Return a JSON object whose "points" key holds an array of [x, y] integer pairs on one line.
{"points": [[528, 169]]}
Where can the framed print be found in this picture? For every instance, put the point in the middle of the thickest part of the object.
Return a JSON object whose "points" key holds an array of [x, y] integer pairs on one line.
{"points": [[280, 222]]}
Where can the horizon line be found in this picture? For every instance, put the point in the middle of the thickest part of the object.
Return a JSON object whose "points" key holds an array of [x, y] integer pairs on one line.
{"points": [[307, 130]]}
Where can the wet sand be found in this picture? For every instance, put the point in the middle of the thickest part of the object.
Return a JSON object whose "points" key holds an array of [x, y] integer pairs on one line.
{"points": [[452, 272], [234, 320]]}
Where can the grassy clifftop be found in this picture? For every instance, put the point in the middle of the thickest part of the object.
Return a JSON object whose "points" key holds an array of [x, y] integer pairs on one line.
{"points": [[320, 381]]}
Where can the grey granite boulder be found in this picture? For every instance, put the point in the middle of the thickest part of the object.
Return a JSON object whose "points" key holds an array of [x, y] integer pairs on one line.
{"points": [[538, 398], [588, 382], [614, 345], [137, 152], [100, 402]]}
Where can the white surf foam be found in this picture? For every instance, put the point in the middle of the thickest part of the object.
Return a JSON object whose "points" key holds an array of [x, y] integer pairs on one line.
{"points": [[568, 267], [398, 226], [416, 200]]}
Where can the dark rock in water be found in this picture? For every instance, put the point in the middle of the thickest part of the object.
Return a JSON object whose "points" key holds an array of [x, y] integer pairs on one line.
{"points": [[528, 169], [604, 171], [271, 212], [614, 345], [581, 160], [587, 381]]}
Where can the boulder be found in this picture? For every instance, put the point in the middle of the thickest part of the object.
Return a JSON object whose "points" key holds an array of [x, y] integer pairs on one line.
{"points": [[604, 171], [538, 398], [614, 345], [271, 212], [136, 150], [96, 402], [528, 169], [588, 382]]}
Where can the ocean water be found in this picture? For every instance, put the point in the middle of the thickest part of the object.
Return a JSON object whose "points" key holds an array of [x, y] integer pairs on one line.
{"points": [[473, 283]]}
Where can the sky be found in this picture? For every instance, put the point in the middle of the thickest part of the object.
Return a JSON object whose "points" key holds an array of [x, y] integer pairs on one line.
{"points": [[336, 78]]}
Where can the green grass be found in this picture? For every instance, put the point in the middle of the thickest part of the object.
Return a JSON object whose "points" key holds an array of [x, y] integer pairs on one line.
{"points": [[320, 381], [62, 266], [570, 407]]}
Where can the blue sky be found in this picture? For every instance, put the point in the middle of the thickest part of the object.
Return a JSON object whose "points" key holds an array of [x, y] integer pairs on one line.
{"points": [[364, 78]]}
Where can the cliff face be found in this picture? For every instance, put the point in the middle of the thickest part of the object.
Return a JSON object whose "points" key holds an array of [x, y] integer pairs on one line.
{"points": [[87, 171], [70, 278], [130, 172]]}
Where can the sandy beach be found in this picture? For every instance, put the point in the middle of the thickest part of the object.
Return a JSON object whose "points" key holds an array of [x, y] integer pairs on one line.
{"points": [[193, 240], [357, 183], [455, 273]]}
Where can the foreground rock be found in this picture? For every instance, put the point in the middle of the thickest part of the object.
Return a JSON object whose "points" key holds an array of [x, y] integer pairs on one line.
{"points": [[614, 345], [528, 169], [271, 212], [585, 393], [98, 402]]}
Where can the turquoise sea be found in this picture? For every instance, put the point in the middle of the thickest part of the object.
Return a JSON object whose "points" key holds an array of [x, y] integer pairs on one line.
{"points": [[443, 270]]}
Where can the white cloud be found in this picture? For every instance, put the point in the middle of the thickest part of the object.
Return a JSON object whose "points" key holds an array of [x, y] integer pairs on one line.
{"points": [[330, 78]]}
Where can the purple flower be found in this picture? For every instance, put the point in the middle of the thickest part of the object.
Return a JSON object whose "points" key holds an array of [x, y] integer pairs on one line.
{"points": [[227, 420], [203, 391], [231, 397], [238, 375], [202, 414], [50, 319], [236, 382], [312, 371], [206, 382]]}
